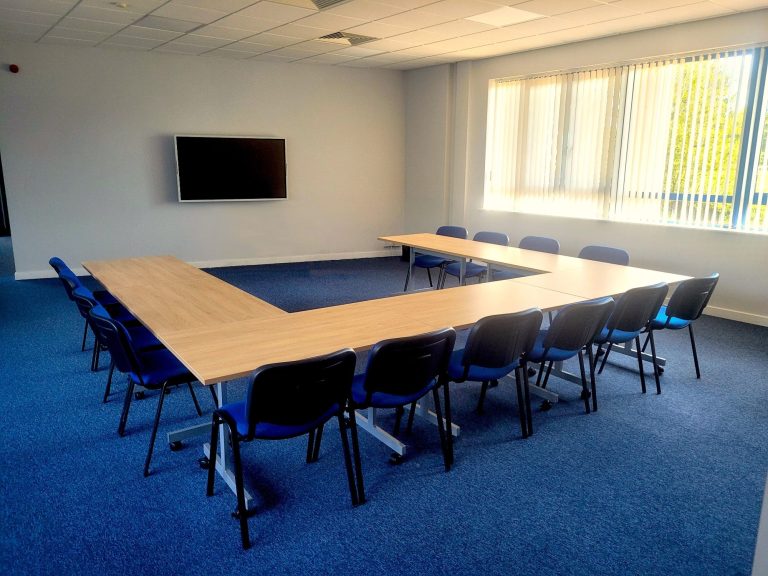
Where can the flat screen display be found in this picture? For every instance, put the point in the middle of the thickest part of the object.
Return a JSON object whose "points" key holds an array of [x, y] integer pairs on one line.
{"points": [[227, 168]]}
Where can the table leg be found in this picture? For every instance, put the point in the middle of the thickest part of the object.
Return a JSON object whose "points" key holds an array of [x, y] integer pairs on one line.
{"points": [[462, 271], [411, 260]]}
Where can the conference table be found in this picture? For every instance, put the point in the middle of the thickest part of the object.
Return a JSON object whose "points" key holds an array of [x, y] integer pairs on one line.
{"points": [[221, 333]]}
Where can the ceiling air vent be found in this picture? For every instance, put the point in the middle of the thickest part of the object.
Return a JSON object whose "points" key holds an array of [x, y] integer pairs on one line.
{"points": [[347, 39], [326, 3]]}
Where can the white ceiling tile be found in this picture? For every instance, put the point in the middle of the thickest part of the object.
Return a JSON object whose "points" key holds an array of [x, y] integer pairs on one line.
{"points": [[189, 13], [742, 4], [415, 19], [163, 23], [297, 31], [359, 63], [641, 6], [541, 26], [132, 42], [456, 44], [697, 11], [407, 4], [176, 47], [134, 6], [245, 23], [223, 5], [149, 33], [104, 14], [272, 57], [203, 41], [90, 35], [366, 10], [417, 52], [293, 52], [109, 44], [50, 39], [216, 31], [378, 30], [328, 59], [251, 47], [59, 7], [24, 17], [418, 37], [460, 8], [554, 7], [457, 28], [228, 53], [275, 12], [388, 44], [274, 40], [358, 51], [22, 31], [597, 14], [94, 25], [388, 58], [330, 22]]}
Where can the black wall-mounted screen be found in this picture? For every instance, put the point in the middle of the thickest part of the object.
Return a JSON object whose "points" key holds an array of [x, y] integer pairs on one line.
{"points": [[219, 169]]}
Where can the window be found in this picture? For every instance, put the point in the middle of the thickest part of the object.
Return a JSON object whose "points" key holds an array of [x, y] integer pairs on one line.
{"points": [[677, 142]]}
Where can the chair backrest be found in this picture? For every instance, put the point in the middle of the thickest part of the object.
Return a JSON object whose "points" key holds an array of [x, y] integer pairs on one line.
{"points": [[636, 307], [85, 300], [453, 231], [497, 341], [114, 335], [68, 278], [492, 238], [605, 254], [540, 244], [691, 297], [577, 325], [403, 366], [300, 392]]}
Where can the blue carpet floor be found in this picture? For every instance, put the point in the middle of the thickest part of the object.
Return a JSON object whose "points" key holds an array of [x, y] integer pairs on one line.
{"points": [[668, 484]]}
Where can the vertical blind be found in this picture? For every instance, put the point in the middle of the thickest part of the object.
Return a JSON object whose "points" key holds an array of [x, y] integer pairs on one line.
{"points": [[680, 141]]}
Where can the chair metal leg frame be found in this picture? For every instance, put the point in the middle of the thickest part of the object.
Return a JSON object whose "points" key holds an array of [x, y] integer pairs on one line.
{"points": [[356, 454], [441, 430], [194, 399], [605, 355], [640, 364], [347, 457], [85, 334], [126, 407], [527, 394], [584, 388], [481, 400], [242, 513], [521, 408], [109, 381], [448, 423], [153, 435], [655, 365], [399, 411], [693, 349], [411, 414], [592, 377]]}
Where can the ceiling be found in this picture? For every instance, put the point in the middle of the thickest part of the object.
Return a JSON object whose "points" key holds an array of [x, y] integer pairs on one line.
{"points": [[399, 34]]}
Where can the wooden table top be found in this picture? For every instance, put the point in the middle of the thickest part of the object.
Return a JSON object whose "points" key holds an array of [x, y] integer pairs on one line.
{"points": [[508, 256], [167, 294], [236, 349]]}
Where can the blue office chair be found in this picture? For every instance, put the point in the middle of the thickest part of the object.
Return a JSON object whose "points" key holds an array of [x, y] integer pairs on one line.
{"points": [[428, 261], [605, 254], [287, 400], [631, 316], [474, 270], [685, 307], [142, 338], [153, 370], [70, 281], [497, 346], [400, 372], [536, 243], [573, 330], [540, 244]]}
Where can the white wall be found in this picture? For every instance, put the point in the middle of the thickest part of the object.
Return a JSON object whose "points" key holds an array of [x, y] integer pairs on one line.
{"points": [[741, 259], [88, 156]]}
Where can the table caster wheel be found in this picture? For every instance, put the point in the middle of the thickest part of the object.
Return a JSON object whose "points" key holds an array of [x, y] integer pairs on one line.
{"points": [[661, 370], [140, 395], [531, 372], [175, 446], [204, 463], [545, 405], [493, 383], [585, 394]]}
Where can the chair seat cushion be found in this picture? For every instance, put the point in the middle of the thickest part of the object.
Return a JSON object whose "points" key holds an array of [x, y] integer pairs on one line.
{"points": [[473, 269], [143, 339], [661, 321], [617, 337], [272, 430], [158, 366], [383, 399], [476, 373], [427, 261], [553, 354]]}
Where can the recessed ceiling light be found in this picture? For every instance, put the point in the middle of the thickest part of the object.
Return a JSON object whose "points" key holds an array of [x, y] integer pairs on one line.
{"points": [[505, 16]]}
